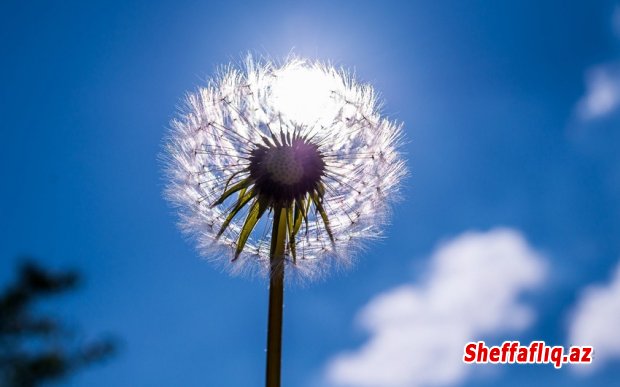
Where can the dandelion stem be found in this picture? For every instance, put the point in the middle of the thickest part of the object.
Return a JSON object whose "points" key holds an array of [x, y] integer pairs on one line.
{"points": [[276, 297]]}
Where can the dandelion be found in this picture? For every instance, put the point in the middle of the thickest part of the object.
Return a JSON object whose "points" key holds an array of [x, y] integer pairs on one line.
{"points": [[283, 167]]}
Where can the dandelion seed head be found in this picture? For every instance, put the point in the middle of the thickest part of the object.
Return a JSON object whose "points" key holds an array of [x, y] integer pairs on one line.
{"points": [[285, 173], [283, 166], [301, 136]]}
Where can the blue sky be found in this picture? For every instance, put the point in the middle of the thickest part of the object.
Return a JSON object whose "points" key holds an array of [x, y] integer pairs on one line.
{"points": [[511, 112]]}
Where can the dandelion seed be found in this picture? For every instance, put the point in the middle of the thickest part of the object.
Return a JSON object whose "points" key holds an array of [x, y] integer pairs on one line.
{"points": [[283, 166], [301, 136]]}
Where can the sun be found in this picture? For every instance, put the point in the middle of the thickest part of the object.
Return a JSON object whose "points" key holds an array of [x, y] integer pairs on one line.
{"points": [[305, 95]]}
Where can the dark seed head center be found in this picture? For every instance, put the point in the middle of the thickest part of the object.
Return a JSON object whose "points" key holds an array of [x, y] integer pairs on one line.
{"points": [[283, 173]]}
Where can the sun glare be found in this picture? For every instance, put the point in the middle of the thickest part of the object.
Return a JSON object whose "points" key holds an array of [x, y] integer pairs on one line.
{"points": [[305, 94]]}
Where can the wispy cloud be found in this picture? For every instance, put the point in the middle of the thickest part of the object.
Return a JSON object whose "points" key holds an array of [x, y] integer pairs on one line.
{"points": [[417, 332], [596, 320], [602, 95]]}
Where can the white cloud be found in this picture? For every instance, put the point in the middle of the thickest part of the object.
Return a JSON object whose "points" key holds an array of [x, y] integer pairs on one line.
{"points": [[596, 320], [602, 93], [417, 332]]}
